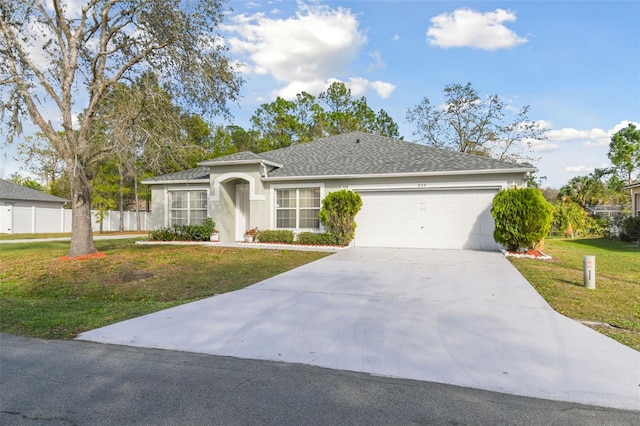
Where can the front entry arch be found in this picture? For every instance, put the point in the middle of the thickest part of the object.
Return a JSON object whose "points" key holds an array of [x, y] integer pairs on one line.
{"points": [[243, 210]]}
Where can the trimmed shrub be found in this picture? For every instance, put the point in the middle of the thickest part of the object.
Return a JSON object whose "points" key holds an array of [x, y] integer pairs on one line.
{"points": [[163, 234], [522, 216], [184, 232], [313, 239], [630, 229], [276, 236], [338, 212]]}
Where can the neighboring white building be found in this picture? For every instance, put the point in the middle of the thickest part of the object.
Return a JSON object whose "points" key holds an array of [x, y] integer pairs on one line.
{"points": [[15, 195], [24, 209], [635, 197]]}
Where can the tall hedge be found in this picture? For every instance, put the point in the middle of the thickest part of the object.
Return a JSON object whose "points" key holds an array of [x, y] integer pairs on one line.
{"points": [[338, 214], [522, 216]]}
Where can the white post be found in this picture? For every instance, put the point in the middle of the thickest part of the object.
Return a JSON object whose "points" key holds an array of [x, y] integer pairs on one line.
{"points": [[589, 271], [33, 219]]}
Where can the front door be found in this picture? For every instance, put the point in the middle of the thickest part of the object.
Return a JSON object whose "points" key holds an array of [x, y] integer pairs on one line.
{"points": [[242, 210]]}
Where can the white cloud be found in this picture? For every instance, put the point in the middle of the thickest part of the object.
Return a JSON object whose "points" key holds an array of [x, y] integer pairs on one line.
{"points": [[590, 138], [579, 169], [72, 8], [543, 146], [569, 134], [395, 37], [383, 89], [304, 52], [469, 28], [357, 85], [294, 87], [316, 43]]}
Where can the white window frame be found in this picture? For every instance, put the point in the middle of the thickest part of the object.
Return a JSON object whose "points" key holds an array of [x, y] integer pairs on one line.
{"points": [[188, 209], [273, 215]]}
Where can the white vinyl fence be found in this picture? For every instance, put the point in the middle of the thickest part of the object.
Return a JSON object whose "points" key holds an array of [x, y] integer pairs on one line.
{"points": [[39, 220]]}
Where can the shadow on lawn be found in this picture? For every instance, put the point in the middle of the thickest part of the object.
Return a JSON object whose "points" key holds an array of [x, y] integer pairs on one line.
{"points": [[572, 283], [605, 244]]}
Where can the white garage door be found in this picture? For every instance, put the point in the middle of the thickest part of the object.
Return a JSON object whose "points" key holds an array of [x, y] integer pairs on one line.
{"points": [[442, 219]]}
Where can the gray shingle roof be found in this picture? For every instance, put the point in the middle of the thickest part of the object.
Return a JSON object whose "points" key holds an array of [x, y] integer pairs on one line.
{"points": [[197, 174], [12, 191], [358, 153]]}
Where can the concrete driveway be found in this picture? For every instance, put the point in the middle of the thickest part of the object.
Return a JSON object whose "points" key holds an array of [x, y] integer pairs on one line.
{"points": [[458, 317]]}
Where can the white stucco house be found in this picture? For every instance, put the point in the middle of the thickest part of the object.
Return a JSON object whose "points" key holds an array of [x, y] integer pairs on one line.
{"points": [[413, 195]]}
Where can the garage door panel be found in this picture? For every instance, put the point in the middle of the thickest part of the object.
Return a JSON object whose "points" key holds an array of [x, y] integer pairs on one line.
{"points": [[451, 219]]}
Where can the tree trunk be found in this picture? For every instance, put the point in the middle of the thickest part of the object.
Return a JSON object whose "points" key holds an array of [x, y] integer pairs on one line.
{"points": [[81, 232]]}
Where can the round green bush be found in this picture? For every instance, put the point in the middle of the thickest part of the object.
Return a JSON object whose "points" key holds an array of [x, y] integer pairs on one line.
{"points": [[522, 217]]}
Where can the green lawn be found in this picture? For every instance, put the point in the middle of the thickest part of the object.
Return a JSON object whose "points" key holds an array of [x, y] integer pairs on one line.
{"points": [[615, 303], [43, 296]]}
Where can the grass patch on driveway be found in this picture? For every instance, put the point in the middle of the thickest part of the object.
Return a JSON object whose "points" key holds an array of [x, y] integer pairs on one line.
{"points": [[43, 296], [613, 308]]}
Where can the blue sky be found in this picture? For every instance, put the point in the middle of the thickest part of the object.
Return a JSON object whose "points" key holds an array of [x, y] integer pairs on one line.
{"points": [[576, 63]]}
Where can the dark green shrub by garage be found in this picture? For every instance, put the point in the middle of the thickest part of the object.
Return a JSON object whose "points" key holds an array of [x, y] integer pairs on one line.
{"points": [[522, 217]]}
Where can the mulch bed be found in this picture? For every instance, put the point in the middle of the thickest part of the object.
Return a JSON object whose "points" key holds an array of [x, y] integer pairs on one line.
{"points": [[95, 255], [529, 254]]}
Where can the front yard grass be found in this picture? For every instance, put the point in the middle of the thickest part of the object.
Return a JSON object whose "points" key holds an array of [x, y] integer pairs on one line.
{"points": [[43, 296], [613, 308]]}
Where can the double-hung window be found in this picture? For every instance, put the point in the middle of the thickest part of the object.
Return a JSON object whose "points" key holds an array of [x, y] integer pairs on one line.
{"points": [[187, 207], [297, 208]]}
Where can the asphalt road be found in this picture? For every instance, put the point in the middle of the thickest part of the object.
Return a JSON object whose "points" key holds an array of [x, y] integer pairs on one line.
{"points": [[45, 382]]}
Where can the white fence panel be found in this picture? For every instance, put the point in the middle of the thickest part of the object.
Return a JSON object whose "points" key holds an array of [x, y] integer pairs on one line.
{"points": [[49, 220], [38, 220], [22, 220]]}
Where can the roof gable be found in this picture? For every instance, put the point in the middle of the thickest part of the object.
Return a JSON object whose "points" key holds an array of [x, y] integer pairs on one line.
{"points": [[191, 175], [13, 191]]}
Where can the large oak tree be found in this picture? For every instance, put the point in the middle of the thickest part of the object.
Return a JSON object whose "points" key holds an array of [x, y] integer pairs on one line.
{"points": [[58, 61]]}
